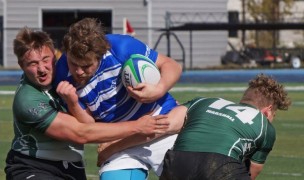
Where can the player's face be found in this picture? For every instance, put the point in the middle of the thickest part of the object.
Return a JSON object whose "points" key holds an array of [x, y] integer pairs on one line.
{"points": [[82, 71], [38, 65]]}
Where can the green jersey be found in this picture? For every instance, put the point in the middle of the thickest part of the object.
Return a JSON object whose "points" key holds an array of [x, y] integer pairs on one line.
{"points": [[34, 110], [220, 126]]}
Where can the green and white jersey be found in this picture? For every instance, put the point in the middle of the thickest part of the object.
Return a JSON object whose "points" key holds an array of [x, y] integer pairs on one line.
{"points": [[34, 110], [220, 126]]}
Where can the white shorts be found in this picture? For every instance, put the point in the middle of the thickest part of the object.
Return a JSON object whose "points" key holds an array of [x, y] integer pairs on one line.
{"points": [[146, 156]]}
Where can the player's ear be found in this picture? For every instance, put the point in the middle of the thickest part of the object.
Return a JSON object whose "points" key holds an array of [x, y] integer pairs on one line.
{"points": [[267, 111]]}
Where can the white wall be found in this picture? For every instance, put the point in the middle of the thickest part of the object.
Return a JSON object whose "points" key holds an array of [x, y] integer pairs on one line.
{"points": [[208, 45]]}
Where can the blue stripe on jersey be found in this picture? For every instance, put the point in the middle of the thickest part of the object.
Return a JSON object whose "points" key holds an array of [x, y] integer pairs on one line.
{"points": [[105, 95]]}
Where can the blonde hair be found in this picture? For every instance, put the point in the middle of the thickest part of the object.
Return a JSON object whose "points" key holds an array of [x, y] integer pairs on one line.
{"points": [[86, 40], [28, 39], [264, 90]]}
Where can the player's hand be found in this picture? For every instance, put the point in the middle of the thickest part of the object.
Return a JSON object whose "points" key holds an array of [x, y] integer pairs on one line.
{"points": [[145, 93], [67, 92], [153, 124]]}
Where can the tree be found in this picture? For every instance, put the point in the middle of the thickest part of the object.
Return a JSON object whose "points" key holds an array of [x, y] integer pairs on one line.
{"points": [[268, 11]]}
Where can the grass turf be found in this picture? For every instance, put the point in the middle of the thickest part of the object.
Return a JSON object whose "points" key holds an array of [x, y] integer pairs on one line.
{"points": [[284, 162]]}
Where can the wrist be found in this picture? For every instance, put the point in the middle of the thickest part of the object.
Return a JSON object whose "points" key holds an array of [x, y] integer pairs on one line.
{"points": [[135, 127], [73, 106], [161, 89]]}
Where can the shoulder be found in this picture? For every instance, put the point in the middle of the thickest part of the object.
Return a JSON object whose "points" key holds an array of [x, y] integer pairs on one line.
{"points": [[26, 93], [62, 61], [112, 38], [198, 102], [62, 70], [120, 42], [267, 127], [271, 133], [28, 97], [268, 135], [120, 46], [31, 106], [123, 46]]}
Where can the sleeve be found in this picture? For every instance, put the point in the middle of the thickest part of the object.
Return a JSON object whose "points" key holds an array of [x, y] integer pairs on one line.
{"points": [[123, 46], [261, 154], [34, 111], [188, 104]]}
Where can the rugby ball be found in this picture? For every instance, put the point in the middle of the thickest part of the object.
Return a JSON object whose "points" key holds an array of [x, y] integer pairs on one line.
{"points": [[139, 69]]}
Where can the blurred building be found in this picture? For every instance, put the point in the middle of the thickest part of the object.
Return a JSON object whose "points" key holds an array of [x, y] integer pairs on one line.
{"points": [[193, 47], [288, 38], [149, 18]]}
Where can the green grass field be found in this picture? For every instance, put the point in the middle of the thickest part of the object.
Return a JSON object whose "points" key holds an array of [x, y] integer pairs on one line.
{"points": [[284, 163]]}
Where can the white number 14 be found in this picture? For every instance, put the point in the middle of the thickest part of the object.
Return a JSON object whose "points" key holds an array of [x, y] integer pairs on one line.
{"points": [[244, 113]]}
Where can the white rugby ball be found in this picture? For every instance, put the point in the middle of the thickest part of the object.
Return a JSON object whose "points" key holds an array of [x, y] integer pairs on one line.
{"points": [[139, 69]]}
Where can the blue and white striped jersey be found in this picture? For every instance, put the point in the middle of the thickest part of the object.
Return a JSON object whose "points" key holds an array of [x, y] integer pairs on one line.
{"points": [[104, 94]]}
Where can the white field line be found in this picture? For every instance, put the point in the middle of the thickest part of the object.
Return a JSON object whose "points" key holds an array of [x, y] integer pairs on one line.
{"points": [[286, 174], [202, 89], [273, 173], [291, 157], [298, 103], [94, 176], [296, 125], [7, 92], [199, 89], [294, 174], [221, 89]]}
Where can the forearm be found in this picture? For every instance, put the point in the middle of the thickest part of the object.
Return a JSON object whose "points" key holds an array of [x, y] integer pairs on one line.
{"points": [[105, 153], [147, 125], [170, 72], [131, 141], [176, 117], [65, 127], [80, 114], [104, 132], [68, 93], [255, 169]]}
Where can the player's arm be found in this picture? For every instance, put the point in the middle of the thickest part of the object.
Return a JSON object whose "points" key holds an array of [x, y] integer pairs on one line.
{"points": [[258, 159], [176, 117], [106, 150], [66, 127], [255, 169], [68, 93], [170, 72]]}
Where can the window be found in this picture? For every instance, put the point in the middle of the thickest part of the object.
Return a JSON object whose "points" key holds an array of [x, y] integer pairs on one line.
{"points": [[56, 22]]}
